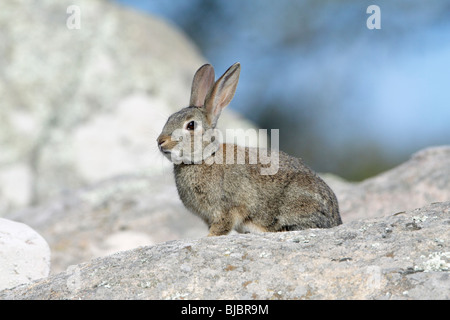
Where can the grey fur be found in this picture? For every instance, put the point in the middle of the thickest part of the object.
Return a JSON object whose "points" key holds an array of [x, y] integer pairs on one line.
{"points": [[238, 196]]}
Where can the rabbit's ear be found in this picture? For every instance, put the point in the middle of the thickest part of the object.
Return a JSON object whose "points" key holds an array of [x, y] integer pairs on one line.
{"points": [[222, 93], [201, 85]]}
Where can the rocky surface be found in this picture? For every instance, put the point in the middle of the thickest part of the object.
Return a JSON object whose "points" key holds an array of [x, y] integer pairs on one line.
{"points": [[82, 105], [126, 212], [403, 256], [24, 254]]}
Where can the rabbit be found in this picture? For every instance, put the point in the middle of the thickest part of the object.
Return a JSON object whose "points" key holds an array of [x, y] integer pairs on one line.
{"points": [[237, 196]]}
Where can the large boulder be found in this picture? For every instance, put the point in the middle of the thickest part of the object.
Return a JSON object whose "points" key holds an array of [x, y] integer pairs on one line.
{"points": [[83, 104], [403, 256], [125, 212], [24, 254]]}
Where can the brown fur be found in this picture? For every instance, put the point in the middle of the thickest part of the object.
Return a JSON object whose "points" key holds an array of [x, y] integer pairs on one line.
{"points": [[236, 196]]}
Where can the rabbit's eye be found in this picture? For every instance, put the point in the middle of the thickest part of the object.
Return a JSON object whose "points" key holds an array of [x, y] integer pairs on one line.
{"points": [[191, 125]]}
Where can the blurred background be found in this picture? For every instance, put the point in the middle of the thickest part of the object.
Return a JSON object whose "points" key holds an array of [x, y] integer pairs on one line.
{"points": [[349, 100], [87, 85]]}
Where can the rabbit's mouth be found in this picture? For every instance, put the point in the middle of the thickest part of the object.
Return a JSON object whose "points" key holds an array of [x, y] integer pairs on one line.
{"points": [[174, 155], [166, 152]]}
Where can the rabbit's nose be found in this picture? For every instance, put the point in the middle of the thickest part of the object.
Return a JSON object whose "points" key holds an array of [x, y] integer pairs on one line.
{"points": [[162, 140]]}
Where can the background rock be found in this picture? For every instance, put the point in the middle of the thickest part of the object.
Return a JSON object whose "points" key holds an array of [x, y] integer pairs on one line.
{"points": [[79, 107], [117, 214], [423, 179], [405, 256], [24, 254]]}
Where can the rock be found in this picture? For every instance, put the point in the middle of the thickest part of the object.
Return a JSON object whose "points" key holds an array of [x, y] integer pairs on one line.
{"points": [[24, 254], [402, 256], [117, 214], [423, 179], [124, 212], [82, 105]]}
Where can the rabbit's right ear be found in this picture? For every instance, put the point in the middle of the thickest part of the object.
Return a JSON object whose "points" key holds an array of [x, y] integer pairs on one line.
{"points": [[201, 85], [222, 93]]}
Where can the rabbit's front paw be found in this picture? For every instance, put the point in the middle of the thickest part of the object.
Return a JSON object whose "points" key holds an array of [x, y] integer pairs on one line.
{"points": [[221, 228]]}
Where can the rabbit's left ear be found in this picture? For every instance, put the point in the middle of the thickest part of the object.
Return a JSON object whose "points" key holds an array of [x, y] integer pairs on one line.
{"points": [[201, 85], [222, 93]]}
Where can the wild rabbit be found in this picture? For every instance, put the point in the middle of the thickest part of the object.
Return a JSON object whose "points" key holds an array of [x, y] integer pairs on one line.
{"points": [[229, 195]]}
